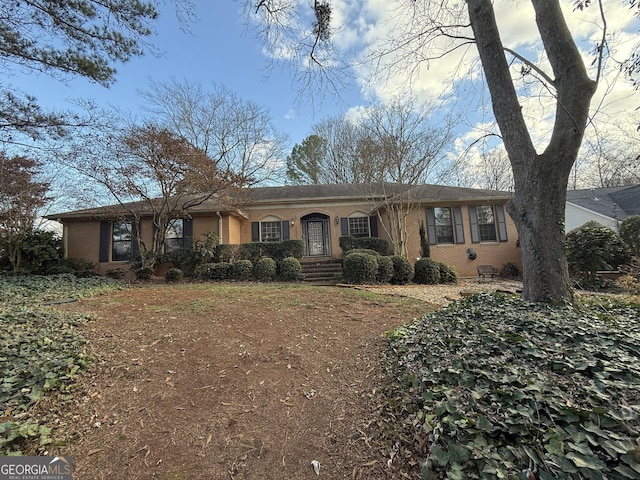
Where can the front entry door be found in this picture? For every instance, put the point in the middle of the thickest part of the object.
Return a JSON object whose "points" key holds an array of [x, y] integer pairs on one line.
{"points": [[315, 239], [316, 236]]}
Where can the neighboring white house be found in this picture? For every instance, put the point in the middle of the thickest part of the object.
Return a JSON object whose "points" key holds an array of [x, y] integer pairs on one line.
{"points": [[608, 206]]}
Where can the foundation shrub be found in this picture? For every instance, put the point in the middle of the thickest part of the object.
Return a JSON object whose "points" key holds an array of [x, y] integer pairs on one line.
{"points": [[289, 269], [212, 271], [371, 243], [174, 275], [367, 251], [447, 273], [402, 270], [264, 270], [241, 270], [426, 272], [385, 269], [360, 268]]}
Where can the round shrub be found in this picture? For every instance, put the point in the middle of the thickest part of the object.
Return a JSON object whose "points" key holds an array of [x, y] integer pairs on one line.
{"points": [[402, 270], [594, 247], [360, 268], [289, 269], [385, 269], [212, 271], [510, 270], [265, 269], [174, 275], [427, 272], [447, 274], [241, 270]]}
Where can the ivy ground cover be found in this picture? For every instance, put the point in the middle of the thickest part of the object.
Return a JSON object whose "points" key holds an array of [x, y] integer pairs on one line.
{"points": [[498, 388], [40, 350]]}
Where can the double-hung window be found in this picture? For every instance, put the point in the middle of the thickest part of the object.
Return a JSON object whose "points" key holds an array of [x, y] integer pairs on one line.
{"points": [[444, 225], [486, 223], [121, 241], [174, 238], [270, 231], [359, 226]]}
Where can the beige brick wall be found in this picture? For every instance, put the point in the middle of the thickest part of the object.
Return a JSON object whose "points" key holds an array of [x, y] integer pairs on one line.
{"points": [[82, 238]]}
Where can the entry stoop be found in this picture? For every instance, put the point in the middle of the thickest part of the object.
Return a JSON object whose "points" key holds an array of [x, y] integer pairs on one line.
{"points": [[321, 271]]}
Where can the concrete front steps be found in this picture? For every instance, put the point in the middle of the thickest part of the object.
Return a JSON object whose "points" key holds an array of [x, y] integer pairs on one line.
{"points": [[321, 271]]}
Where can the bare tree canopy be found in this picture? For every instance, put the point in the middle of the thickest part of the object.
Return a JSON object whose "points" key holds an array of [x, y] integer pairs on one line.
{"points": [[422, 32], [238, 136]]}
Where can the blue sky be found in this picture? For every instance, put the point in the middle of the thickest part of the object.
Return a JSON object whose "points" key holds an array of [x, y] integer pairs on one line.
{"points": [[218, 49]]}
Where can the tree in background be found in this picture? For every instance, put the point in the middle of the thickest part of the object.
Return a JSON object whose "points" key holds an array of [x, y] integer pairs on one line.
{"points": [[630, 233], [152, 172], [307, 162], [438, 28], [83, 38], [21, 197], [239, 136]]}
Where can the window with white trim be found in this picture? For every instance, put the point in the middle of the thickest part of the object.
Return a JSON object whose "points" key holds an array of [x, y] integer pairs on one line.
{"points": [[443, 224], [121, 241], [174, 238], [270, 230], [359, 226], [486, 223]]}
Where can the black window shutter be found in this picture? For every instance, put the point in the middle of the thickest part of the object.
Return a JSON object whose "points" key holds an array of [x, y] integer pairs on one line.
{"points": [[373, 226], [255, 231], [105, 237], [344, 226], [457, 215], [473, 219], [285, 230], [431, 226], [187, 232], [502, 223]]}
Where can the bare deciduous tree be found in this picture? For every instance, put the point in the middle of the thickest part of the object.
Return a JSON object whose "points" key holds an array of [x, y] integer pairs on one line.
{"points": [[239, 136]]}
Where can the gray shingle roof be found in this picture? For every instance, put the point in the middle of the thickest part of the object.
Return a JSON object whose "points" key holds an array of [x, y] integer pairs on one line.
{"points": [[307, 193], [614, 202]]}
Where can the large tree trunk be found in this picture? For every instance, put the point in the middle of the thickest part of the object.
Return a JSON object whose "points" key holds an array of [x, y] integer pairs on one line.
{"points": [[538, 205]]}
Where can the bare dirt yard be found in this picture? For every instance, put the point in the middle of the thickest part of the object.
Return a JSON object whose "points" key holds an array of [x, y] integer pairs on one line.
{"points": [[235, 381]]}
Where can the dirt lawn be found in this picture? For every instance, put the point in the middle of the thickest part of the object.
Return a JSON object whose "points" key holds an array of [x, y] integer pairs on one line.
{"points": [[232, 382]]}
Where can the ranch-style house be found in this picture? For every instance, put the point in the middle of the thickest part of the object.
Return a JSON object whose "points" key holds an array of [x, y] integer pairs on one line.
{"points": [[465, 227]]}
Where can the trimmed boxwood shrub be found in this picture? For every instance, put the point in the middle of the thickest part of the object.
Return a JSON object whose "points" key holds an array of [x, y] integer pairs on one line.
{"points": [[427, 271], [385, 269], [368, 251], [360, 268], [372, 243], [264, 269], [174, 275], [241, 270], [289, 269], [212, 271], [402, 270], [447, 274]]}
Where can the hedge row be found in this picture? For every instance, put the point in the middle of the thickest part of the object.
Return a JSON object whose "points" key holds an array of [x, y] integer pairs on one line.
{"points": [[361, 266], [265, 270], [348, 243]]}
